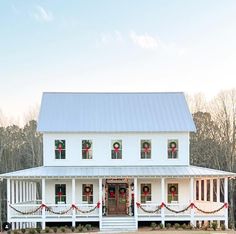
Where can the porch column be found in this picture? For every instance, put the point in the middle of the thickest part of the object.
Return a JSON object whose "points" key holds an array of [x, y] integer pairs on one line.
{"points": [[43, 202], [211, 190], [135, 200], [226, 201], [8, 200], [27, 191], [163, 200], [73, 200], [193, 222], [20, 188], [23, 194], [12, 191], [100, 200]]}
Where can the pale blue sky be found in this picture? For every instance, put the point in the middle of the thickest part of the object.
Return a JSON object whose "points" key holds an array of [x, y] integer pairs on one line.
{"points": [[121, 45]]}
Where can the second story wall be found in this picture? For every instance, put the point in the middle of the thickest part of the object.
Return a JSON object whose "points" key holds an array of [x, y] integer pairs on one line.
{"points": [[101, 149]]}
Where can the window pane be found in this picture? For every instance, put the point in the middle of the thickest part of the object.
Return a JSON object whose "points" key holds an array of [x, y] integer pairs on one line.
{"points": [[87, 193], [173, 149], [214, 190], [60, 149], [208, 190], [202, 190], [146, 149], [146, 193], [116, 149], [173, 193], [87, 152], [197, 190]]}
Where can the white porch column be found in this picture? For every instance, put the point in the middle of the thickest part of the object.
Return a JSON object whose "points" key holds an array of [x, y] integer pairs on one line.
{"points": [[193, 222], [43, 202], [218, 190], [100, 200], [8, 200], [12, 191], [163, 200], [20, 193], [226, 201], [211, 190], [27, 191], [73, 200], [23, 194], [135, 201]]}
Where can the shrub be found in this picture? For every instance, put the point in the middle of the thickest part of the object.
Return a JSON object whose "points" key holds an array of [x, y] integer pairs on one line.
{"points": [[153, 225], [23, 230], [205, 227], [72, 229], [15, 231], [88, 227], [214, 225], [8, 232], [177, 226], [80, 228], [47, 229], [31, 231], [38, 230], [168, 225], [54, 229], [184, 226], [222, 226], [161, 226], [190, 227], [63, 229]]}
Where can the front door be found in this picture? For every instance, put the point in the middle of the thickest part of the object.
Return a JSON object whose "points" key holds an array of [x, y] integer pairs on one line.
{"points": [[117, 199]]}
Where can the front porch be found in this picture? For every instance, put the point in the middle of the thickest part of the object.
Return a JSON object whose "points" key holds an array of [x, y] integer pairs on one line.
{"points": [[32, 201]]}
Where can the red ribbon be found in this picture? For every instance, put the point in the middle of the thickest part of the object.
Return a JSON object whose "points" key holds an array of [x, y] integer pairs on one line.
{"points": [[138, 204], [116, 149], [59, 194], [86, 149], [146, 149], [98, 205], [226, 205], [60, 148], [192, 205], [146, 193], [162, 205]]}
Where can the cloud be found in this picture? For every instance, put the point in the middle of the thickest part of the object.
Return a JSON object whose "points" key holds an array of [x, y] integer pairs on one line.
{"points": [[43, 15], [145, 41], [115, 36]]}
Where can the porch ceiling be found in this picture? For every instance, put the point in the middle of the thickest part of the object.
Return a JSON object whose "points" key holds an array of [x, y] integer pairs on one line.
{"points": [[124, 171]]}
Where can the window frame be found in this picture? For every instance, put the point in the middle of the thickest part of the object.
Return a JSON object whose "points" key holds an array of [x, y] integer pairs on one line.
{"points": [[87, 151], [60, 151], [60, 196], [117, 152], [145, 198], [88, 197], [147, 152], [173, 152], [170, 195]]}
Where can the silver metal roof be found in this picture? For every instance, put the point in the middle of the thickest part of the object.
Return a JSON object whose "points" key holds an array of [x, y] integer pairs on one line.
{"points": [[114, 112], [109, 172]]}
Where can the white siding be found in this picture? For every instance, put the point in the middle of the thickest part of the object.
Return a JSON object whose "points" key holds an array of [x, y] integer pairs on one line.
{"points": [[102, 149]]}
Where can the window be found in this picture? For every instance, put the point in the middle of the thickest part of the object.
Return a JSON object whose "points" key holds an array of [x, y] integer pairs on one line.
{"points": [[172, 148], [60, 149], [197, 190], [60, 193], [173, 193], [87, 152], [202, 190], [116, 149], [214, 190], [87, 193], [208, 190], [146, 193], [146, 149]]}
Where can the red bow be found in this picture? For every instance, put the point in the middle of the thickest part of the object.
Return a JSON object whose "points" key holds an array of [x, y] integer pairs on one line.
{"points": [[60, 148]]}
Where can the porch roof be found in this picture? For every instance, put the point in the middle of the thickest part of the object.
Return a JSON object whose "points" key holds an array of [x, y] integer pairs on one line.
{"points": [[109, 172]]}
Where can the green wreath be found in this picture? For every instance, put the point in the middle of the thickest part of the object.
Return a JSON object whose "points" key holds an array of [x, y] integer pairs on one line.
{"points": [[116, 145], [172, 189], [172, 143], [146, 145], [87, 145]]}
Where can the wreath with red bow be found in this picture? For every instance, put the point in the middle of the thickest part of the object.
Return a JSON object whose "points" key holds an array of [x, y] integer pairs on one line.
{"points": [[87, 190], [173, 190], [146, 146], [112, 193], [86, 145], [146, 190], [122, 191], [116, 146], [172, 146]]}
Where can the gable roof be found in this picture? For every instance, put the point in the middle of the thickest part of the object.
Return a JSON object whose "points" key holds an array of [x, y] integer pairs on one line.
{"points": [[114, 112]]}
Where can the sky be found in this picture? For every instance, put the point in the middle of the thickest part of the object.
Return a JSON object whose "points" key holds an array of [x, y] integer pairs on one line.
{"points": [[108, 45]]}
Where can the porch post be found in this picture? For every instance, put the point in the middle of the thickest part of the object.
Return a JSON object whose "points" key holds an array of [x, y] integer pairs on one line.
{"points": [[8, 200], [135, 200], [100, 200], [20, 188], [73, 201], [12, 191], [43, 202], [23, 194], [226, 201], [163, 200], [192, 200]]}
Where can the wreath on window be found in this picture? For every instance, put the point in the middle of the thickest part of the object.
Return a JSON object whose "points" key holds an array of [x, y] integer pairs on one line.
{"points": [[87, 145], [122, 191], [172, 146], [173, 190], [146, 190], [146, 146], [116, 146], [87, 190], [112, 193]]}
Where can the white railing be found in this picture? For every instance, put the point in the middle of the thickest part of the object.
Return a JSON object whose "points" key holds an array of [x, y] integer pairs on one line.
{"points": [[87, 210], [177, 209], [149, 209], [58, 210], [23, 210], [209, 207]]}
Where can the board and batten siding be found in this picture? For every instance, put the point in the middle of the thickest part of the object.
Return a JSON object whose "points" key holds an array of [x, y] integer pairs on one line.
{"points": [[102, 149]]}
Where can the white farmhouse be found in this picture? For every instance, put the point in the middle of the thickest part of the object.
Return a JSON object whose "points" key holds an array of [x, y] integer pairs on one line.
{"points": [[116, 159]]}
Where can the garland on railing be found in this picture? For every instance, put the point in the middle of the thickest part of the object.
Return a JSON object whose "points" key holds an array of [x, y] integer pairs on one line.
{"points": [[191, 205], [47, 208], [148, 211]]}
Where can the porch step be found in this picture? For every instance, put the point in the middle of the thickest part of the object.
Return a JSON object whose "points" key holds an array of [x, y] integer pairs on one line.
{"points": [[118, 224]]}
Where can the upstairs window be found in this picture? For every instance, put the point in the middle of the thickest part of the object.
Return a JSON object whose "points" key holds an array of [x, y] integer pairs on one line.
{"points": [[146, 193], [145, 149], [60, 149], [87, 193], [116, 149], [60, 193], [173, 193], [87, 152], [173, 148]]}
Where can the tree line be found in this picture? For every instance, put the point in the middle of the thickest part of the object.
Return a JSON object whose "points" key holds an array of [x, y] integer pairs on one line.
{"points": [[213, 145]]}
